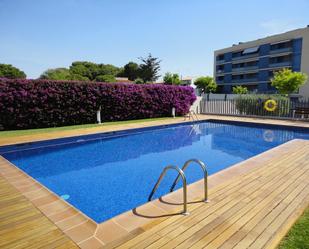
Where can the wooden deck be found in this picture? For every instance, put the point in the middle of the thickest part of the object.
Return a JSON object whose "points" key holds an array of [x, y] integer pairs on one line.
{"points": [[24, 226], [254, 210]]}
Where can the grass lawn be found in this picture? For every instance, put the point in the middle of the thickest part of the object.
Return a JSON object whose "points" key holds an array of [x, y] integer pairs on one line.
{"points": [[298, 236], [15, 133]]}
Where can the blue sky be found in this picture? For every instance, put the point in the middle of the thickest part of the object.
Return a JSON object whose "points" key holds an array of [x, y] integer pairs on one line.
{"points": [[39, 34]]}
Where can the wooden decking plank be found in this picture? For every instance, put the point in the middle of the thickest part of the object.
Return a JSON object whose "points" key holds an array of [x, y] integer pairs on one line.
{"points": [[281, 218], [246, 229], [24, 226], [277, 205], [190, 231], [285, 227], [136, 240], [208, 235]]}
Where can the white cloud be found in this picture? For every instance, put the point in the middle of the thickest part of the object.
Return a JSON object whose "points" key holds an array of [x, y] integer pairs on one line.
{"points": [[276, 26]]}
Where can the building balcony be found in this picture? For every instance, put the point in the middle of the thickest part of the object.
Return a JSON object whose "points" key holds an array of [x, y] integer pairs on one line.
{"points": [[281, 64], [245, 57], [220, 61], [241, 69], [281, 50], [220, 71], [245, 80]]}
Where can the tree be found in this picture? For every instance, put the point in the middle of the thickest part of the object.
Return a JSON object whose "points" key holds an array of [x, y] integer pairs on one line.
{"points": [[172, 79], [61, 74], [92, 70], [130, 70], [108, 69], [10, 72], [286, 81], [205, 84], [85, 69], [106, 78], [149, 69], [240, 90]]}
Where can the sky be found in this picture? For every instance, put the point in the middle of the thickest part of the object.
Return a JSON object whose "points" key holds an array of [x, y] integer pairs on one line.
{"points": [[36, 35]]}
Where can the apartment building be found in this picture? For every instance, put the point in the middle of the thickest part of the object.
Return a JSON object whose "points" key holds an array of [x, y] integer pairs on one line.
{"points": [[252, 64]]}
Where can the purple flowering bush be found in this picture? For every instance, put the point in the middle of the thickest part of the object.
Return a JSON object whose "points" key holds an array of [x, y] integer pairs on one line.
{"points": [[28, 104]]}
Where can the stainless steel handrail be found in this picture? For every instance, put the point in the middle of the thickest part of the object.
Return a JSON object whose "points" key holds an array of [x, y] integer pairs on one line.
{"points": [[187, 163], [184, 185], [193, 113]]}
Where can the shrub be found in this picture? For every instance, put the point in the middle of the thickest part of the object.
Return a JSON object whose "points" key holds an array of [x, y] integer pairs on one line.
{"points": [[240, 90], [43, 103], [254, 105], [139, 81], [108, 78]]}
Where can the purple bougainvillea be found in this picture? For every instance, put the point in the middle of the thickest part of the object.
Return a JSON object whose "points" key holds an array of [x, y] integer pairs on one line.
{"points": [[44, 103]]}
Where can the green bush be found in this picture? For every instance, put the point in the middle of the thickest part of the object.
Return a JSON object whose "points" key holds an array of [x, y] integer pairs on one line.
{"points": [[240, 90], [254, 105], [106, 78]]}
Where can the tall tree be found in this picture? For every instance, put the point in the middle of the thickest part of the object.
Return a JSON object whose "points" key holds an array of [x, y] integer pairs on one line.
{"points": [[131, 71], [205, 84], [10, 72], [61, 74], [92, 71], [287, 81], [149, 68], [172, 79]]}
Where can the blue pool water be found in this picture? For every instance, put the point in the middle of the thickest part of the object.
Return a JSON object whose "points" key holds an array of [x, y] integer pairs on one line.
{"points": [[106, 176]]}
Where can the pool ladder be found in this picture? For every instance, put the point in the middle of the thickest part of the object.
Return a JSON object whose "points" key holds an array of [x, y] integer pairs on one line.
{"points": [[192, 114], [182, 175]]}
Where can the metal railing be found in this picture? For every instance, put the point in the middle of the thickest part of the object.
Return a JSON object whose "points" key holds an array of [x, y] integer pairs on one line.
{"points": [[285, 108], [182, 175], [202, 165], [184, 186], [191, 114]]}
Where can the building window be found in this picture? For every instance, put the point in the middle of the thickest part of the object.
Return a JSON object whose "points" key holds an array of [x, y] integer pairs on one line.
{"points": [[280, 59], [220, 78], [236, 54], [251, 76], [220, 57], [281, 45], [220, 68], [251, 88]]}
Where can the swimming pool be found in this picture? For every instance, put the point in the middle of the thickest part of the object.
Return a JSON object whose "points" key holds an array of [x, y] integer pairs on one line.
{"points": [[104, 175]]}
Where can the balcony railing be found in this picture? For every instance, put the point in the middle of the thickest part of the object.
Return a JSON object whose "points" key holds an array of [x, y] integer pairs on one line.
{"points": [[245, 56], [281, 50], [220, 61], [220, 71], [244, 80], [280, 64], [240, 69]]}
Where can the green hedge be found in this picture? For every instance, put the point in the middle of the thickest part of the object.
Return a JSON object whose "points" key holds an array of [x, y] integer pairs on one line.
{"points": [[254, 105]]}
